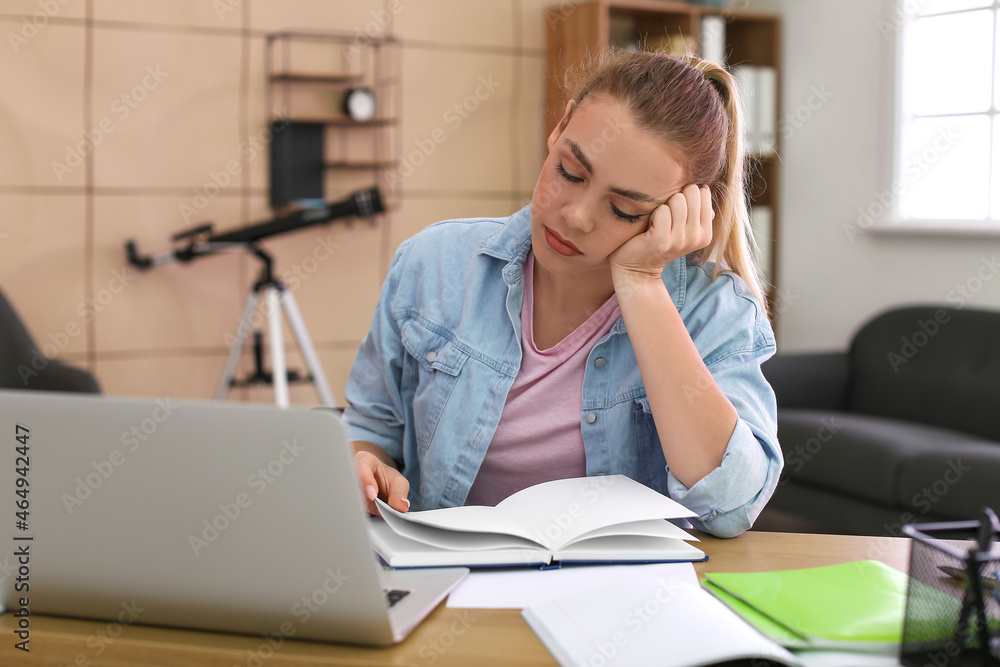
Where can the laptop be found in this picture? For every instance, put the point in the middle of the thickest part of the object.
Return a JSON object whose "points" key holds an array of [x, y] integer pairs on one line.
{"points": [[213, 516]]}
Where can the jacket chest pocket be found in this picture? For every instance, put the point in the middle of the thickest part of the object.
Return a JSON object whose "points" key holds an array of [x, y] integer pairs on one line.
{"points": [[432, 370]]}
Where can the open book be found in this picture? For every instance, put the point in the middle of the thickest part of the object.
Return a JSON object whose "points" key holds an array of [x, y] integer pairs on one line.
{"points": [[586, 519], [648, 622], [661, 621]]}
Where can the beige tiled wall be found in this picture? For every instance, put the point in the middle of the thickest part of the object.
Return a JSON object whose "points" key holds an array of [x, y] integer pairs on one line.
{"points": [[167, 91]]}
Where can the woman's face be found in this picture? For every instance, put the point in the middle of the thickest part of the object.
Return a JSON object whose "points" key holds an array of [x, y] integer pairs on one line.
{"points": [[602, 179]]}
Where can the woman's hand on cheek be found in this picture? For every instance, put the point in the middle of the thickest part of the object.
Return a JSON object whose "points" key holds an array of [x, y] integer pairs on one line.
{"points": [[681, 226]]}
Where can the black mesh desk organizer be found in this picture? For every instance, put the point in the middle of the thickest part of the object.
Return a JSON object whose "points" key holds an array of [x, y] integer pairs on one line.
{"points": [[953, 599]]}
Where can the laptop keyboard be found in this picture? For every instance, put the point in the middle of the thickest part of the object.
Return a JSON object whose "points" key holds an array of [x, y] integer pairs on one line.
{"points": [[395, 595]]}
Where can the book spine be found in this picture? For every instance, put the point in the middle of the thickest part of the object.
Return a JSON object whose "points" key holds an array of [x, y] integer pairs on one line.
{"points": [[713, 39], [746, 83], [767, 109]]}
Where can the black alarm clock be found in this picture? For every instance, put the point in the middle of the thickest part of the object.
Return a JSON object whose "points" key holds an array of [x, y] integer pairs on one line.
{"points": [[359, 104]]}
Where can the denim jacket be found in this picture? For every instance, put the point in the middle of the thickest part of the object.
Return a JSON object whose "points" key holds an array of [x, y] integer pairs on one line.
{"points": [[432, 374]]}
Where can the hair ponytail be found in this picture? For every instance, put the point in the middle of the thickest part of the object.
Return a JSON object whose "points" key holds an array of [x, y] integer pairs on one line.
{"points": [[733, 243], [694, 105]]}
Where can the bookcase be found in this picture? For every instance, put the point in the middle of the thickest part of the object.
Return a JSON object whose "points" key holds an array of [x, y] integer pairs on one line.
{"points": [[748, 41], [318, 147]]}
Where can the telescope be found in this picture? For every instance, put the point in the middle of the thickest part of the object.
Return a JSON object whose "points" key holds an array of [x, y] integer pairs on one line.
{"points": [[202, 241], [278, 299]]}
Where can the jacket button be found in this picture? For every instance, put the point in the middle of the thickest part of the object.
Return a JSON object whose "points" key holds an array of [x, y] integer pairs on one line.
{"points": [[432, 357], [591, 417], [600, 362]]}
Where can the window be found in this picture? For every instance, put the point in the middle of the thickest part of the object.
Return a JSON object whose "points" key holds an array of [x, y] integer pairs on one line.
{"points": [[947, 162]]}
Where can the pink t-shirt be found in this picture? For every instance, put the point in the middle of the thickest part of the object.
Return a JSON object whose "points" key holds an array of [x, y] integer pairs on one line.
{"points": [[539, 438]]}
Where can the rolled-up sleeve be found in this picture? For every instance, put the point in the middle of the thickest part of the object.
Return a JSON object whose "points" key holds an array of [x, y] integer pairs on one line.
{"points": [[729, 499]]}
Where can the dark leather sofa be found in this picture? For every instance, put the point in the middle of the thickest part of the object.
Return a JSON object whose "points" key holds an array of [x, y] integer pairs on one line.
{"points": [[903, 427], [24, 366]]}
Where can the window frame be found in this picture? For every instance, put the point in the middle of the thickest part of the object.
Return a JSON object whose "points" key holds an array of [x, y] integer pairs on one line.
{"points": [[892, 221]]}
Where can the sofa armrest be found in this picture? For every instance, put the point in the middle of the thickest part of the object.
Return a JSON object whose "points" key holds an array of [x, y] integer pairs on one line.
{"points": [[60, 376], [816, 380]]}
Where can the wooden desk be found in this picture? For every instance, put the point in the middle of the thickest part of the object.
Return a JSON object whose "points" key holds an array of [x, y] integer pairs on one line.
{"points": [[457, 637]]}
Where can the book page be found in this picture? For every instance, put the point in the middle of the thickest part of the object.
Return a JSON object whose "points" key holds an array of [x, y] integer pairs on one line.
{"points": [[558, 512], [470, 519], [400, 551], [628, 549], [520, 588], [646, 527]]}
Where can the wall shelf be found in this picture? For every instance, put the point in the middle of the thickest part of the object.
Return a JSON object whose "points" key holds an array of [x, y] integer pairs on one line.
{"points": [[318, 151]]}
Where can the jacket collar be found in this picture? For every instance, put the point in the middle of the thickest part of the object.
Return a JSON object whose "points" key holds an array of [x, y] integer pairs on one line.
{"points": [[512, 242]]}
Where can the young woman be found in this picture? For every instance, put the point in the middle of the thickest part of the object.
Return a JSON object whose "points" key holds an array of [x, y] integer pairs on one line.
{"points": [[615, 325]]}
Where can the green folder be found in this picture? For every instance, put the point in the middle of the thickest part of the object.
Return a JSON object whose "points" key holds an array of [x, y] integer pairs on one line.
{"points": [[860, 604]]}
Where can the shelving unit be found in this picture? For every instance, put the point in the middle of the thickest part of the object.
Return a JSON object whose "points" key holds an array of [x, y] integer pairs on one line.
{"points": [[318, 150], [751, 38]]}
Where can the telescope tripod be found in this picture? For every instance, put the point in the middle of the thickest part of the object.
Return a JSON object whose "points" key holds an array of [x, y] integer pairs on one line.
{"points": [[277, 299]]}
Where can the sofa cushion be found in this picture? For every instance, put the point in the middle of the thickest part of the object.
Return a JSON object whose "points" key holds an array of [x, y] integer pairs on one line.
{"points": [[929, 365], [956, 482], [864, 456]]}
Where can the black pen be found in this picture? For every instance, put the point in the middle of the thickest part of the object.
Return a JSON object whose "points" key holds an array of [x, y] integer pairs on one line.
{"points": [[989, 583]]}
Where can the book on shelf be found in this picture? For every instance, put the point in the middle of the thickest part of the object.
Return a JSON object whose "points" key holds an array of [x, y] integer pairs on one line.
{"points": [[713, 39], [603, 519], [758, 88], [677, 45], [762, 224]]}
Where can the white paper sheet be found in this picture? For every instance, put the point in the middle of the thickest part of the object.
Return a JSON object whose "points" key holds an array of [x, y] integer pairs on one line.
{"points": [[518, 588]]}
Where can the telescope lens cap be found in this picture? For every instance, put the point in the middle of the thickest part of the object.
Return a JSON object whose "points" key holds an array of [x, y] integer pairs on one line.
{"points": [[359, 104]]}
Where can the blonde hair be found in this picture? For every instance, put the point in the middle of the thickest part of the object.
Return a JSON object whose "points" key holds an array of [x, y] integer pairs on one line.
{"points": [[694, 105]]}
